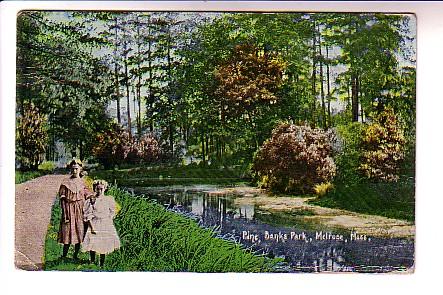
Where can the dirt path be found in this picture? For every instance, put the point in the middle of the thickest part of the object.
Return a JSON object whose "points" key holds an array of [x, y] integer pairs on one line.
{"points": [[33, 203]]}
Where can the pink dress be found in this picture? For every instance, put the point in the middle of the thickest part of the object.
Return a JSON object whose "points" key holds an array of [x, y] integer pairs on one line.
{"points": [[100, 212], [71, 224]]}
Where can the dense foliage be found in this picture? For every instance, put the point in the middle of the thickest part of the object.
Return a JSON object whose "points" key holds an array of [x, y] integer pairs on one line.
{"points": [[58, 72], [295, 159], [383, 146], [31, 137], [348, 159], [213, 85]]}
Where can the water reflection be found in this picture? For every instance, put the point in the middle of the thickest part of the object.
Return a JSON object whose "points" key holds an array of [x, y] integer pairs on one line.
{"points": [[297, 244]]}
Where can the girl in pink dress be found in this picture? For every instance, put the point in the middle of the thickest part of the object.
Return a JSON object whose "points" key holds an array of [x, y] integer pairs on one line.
{"points": [[73, 193], [99, 211]]}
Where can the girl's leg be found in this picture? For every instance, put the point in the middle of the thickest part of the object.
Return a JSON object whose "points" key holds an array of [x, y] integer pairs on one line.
{"points": [[102, 259], [76, 250], [92, 253], [65, 250]]}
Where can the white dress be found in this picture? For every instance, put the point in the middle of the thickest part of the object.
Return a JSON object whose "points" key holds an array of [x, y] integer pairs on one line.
{"points": [[100, 213]]}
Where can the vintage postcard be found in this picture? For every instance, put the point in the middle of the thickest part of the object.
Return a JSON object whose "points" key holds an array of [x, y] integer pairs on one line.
{"points": [[191, 141]]}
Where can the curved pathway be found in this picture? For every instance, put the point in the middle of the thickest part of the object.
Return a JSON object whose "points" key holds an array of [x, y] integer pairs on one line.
{"points": [[33, 204]]}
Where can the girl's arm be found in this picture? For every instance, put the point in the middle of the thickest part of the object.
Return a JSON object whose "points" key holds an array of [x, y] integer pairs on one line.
{"points": [[90, 226], [62, 194], [88, 214], [88, 211]]}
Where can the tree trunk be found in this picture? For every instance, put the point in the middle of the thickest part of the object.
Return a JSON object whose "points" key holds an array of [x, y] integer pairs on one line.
{"points": [[328, 86], [139, 121], [116, 75], [150, 92], [171, 135], [202, 139], [354, 95], [360, 95], [314, 65], [127, 97], [322, 90], [171, 138], [134, 103]]}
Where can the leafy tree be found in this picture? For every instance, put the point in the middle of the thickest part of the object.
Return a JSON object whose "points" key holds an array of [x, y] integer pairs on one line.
{"points": [[31, 137], [383, 147], [247, 79], [70, 84], [369, 43], [215, 83]]}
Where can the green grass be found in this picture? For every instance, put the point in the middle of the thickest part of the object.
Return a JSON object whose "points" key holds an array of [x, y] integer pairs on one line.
{"points": [[393, 200], [173, 175], [355, 193], [21, 177], [44, 168], [154, 239]]}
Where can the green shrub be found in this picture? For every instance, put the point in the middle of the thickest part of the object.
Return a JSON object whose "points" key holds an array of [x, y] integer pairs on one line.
{"points": [[47, 166], [295, 159], [383, 147], [44, 168], [389, 199], [323, 188], [348, 159]]}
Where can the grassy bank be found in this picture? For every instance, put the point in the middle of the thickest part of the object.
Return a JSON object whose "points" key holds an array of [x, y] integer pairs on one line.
{"points": [[390, 199], [154, 239], [172, 175], [393, 200]]}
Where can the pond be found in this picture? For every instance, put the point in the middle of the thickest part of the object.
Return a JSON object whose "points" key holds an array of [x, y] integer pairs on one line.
{"points": [[304, 246]]}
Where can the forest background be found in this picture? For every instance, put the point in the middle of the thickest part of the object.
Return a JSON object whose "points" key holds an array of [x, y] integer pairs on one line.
{"points": [[213, 97], [168, 79]]}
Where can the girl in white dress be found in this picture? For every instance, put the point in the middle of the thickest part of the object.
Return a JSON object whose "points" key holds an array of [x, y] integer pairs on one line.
{"points": [[99, 211]]}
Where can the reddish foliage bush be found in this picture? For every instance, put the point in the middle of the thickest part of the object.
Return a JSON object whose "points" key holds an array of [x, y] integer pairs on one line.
{"points": [[383, 147], [147, 148], [115, 146], [295, 159]]}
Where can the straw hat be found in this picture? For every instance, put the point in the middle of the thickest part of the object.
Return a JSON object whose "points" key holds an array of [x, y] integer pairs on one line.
{"points": [[75, 162]]}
